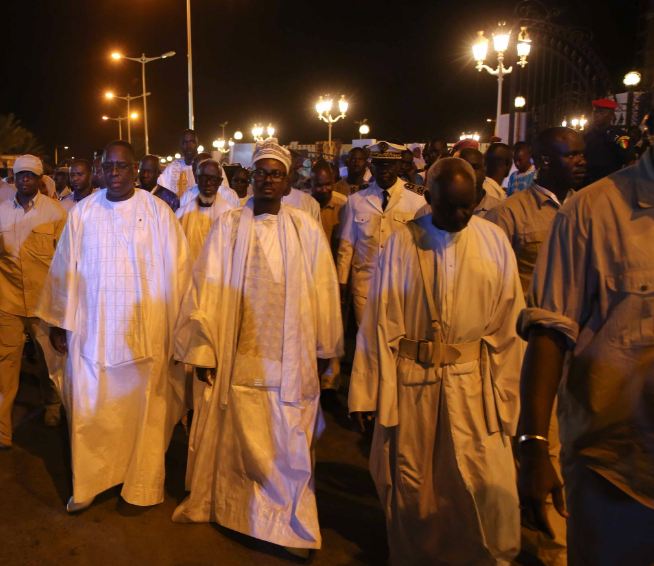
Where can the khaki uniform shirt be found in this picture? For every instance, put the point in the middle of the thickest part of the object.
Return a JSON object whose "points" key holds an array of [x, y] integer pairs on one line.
{"points": [[27, 244], [330, 215], [526, 217], [366, 227], [594, 283]]}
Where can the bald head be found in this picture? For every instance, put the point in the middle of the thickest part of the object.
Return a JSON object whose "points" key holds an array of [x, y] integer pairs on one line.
{"points": [[197, 160], [498, 160], [452, 193]]}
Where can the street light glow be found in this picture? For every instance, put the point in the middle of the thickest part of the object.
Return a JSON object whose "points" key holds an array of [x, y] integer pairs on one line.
{"points": [[524, 44], [364, 129], [238, 135], [501, 38], [480, 47], [214, 144], [162, 160], [134, 115], [270, 130], [632, 78], [168, 54], [116, 56], [105, 118], [343, 104], [200, 148], [169, 158], [178, 156], [108, 95], [520, 102]]}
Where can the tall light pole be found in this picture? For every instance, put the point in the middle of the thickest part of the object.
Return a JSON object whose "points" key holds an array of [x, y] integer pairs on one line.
{"points": [[56, 152], [501, 39], [324, 110], [109, 95], [119, 119], [631, 80], [144, 61], [189, 48]]}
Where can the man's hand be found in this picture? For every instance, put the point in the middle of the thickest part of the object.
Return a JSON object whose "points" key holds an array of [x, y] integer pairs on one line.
{"points": [[536, 480], [208, 375], [58, 339], [364, 420]]}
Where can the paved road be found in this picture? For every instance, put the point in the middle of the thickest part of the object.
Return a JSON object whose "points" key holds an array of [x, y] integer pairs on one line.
{"points": [[36, 530]]}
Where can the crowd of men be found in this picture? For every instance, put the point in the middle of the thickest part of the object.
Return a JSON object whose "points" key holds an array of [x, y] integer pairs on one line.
{"points": [[504, 356]]}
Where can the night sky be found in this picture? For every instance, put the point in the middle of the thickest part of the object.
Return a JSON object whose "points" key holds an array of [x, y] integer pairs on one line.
{"points": [[406, 66]]}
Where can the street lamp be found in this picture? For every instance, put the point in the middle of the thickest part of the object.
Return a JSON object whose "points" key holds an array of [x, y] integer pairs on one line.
{"points": [[520, 102], [116, 56], [119, 119], [364, 127], [631, 79], [324, 110], [110, 95], [501, 40], [238, 135], [56, 152], [576, 122], [258, 130]]}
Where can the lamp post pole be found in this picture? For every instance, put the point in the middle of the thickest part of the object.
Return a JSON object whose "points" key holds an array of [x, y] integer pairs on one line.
{"points": [[501, 40], [189, 47], [144, 60]]}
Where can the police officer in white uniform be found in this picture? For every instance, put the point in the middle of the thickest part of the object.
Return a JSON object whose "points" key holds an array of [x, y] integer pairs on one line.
{"points": [[369, 218]]}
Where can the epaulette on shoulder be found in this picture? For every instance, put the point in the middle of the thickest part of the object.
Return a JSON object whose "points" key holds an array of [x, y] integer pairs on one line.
{"points": [[418, 189]]}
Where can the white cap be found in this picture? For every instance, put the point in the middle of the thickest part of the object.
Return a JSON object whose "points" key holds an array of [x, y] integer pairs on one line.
{"points": [[30, 163]]}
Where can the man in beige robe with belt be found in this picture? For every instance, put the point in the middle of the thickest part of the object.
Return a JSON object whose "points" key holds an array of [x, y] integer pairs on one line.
{"points": [[438, 363]]}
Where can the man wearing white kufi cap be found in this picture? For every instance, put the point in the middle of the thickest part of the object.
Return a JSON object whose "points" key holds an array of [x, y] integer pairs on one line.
{"points": [[263, 307], [30, 226], [370, 217]]}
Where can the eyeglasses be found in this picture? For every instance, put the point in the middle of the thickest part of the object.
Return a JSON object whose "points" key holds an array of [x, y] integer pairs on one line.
{"points": [[210, 179], [108, 166], [262, 174]]}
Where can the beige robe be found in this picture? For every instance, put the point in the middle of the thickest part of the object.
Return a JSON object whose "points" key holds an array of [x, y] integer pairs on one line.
{"points": [[441, 456], [116, 284], [250, 464]]}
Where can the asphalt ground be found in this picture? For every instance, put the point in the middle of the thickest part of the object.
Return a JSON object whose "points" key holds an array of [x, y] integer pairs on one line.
{"points": [[35, 528]]}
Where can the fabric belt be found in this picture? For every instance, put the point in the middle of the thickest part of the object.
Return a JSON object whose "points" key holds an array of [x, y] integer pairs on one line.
{"points": [[436, 353]]}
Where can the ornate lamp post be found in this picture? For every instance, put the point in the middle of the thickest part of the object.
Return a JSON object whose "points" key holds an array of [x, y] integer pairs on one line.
{"points": [[501, 40], [324, 110]]}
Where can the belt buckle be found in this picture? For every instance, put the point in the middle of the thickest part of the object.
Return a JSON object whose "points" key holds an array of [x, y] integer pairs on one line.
{"points": [[425, 352]]}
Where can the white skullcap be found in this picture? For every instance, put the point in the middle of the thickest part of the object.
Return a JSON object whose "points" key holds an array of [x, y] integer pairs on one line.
{"points": [[270, 149], [30, 163]]}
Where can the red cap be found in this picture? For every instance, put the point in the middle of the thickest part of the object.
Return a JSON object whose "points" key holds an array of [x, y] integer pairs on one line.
{"points": [[605, 103], [462, 144]]}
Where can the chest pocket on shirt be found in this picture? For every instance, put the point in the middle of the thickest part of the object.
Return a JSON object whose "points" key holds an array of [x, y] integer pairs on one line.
{"points": [[530, 243], [631, 319], [42, 240], [402, 217], [364, 224]]}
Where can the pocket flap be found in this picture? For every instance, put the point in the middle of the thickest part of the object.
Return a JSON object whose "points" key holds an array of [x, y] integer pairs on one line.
{"points": [[639, 282], [402, 217], [360, 218]]}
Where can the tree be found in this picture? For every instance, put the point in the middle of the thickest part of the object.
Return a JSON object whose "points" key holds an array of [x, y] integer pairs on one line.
{"points": [[15, 138]]}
